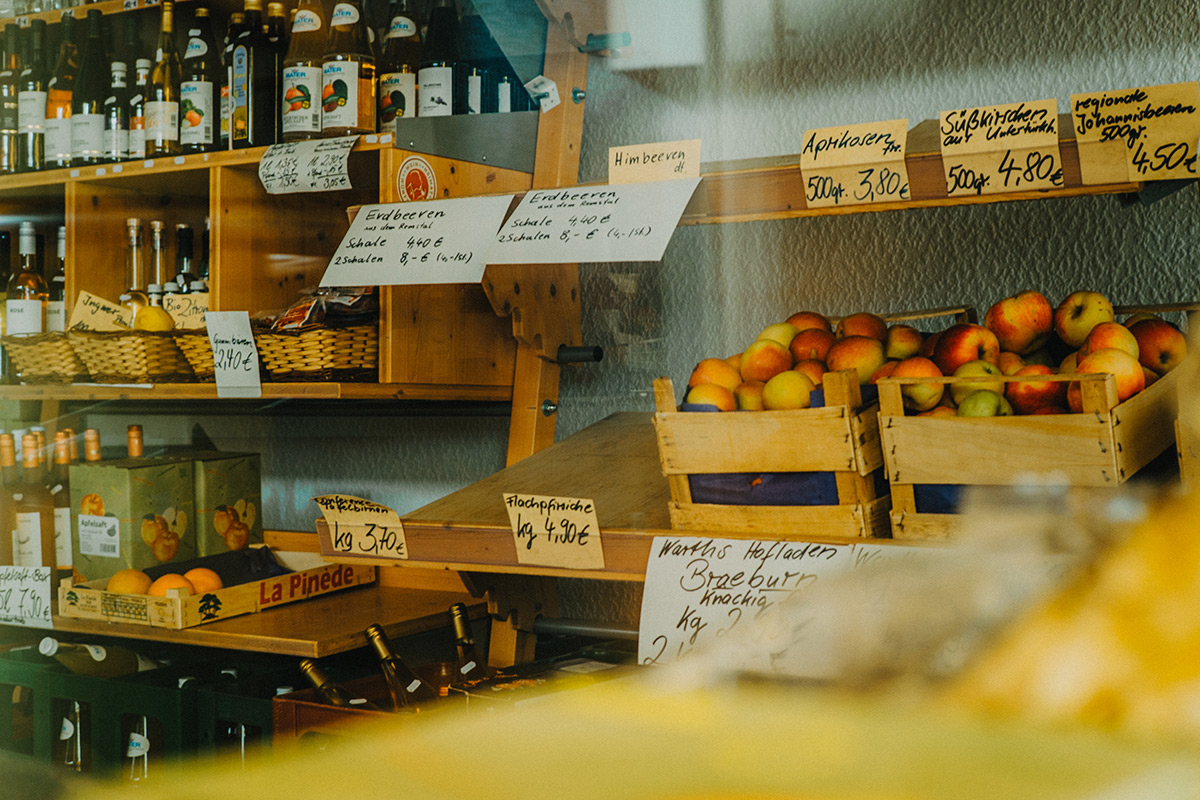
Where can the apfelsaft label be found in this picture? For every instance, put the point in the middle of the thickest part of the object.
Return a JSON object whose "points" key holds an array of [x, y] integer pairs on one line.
{"points": [[301, 110], [344, 14], [339, 94], [99, 536], [397, 99], [196, 124]]}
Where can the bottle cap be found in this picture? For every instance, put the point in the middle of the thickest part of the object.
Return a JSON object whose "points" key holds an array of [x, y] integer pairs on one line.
{"points": [[170, 287], [154, 288], [48, 646], [198, 286], [133, 222], [156, 225]]}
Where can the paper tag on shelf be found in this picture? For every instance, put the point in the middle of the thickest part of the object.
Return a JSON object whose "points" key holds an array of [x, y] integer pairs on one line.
{"points": [[25, 594], [555, 531], [1143, 134], [855, 164], [188, 310], [997, 149], [92, 313], [544, 92], [630, 222], [659, 161], [234, 353], [360, 527], [438, 241], [316, 165]]}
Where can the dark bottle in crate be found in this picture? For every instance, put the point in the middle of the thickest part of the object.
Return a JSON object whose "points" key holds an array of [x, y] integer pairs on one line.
{"points": [[331, 693], [72, 749], [471, 665], [102, 661], [404, 687], [143, 736]]}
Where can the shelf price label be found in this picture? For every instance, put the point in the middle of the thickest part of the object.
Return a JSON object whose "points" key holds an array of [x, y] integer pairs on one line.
{"points": [[555, 531], [628, 222], [235, 355], [92, 313], [661, 161], [1144, 134], [187, 310], [435, 241], [25, 594], [359, 527], [997, 149], [318, 165], [855, 164]]}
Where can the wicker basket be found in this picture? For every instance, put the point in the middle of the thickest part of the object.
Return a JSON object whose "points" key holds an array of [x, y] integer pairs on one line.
{"points": [[44, 358], [131, 356], [197, 349], [321, 354]]}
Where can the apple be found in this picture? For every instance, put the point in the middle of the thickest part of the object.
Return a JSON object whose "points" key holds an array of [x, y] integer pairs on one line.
{"points": [[1151, 375], [1078, 314], [748, 396], [1120, 364], [781, 332], [902, 341], [1161, 346], [862, 324], [1022, 323], [1042, 356], [1135, 318], [965, 342], [919, 396], [862, 354], [715, 370], [814, 369], [1009, 362], [939, 411], [984, 403], [975, 369], [1027, 397], [809, 320], [1110, 334], [811, 343], [734, 361], [787, 390], [710, 394], [883, 372], [930, 344], [764, 359]]}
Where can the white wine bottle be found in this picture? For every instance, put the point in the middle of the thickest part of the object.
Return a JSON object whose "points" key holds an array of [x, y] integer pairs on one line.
{"points": [[58, 98], [162, 99], [25, 305], [87, 101], [200, 89], [301, 101], [348, 74]]}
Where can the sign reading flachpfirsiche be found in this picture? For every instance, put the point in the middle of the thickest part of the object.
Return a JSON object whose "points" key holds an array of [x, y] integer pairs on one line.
{"points": [[996, 149], [359, 527], [555, 531], [629, 222], [436, 241], [1143, 134], [25, 596], [854, 164]]}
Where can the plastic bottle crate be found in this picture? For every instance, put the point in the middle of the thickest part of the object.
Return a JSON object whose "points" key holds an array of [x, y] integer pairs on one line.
{"points": [[245, 704], [23, 713]]}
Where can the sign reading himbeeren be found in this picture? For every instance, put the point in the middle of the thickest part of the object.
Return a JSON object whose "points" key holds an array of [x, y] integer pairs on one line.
{"points": [[1143, 134], [855, 164], [997, 149]]}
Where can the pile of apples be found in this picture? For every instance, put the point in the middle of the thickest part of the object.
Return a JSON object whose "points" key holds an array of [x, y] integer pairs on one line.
{"points": [[788, 360]]}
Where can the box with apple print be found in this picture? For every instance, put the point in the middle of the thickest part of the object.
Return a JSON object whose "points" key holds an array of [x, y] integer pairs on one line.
{"points": [[228, 499]]}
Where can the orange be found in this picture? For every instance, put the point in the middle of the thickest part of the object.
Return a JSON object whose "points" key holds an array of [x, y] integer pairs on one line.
{"points": [[128, 581], [204, 579], [172, 580]]}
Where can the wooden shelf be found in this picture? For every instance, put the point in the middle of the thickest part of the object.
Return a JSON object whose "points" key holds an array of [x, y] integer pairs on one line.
{"points": [[271, 391]]}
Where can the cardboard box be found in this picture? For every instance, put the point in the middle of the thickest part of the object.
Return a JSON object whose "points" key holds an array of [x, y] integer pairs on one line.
{"points": [[133, 513], [228, 498]]}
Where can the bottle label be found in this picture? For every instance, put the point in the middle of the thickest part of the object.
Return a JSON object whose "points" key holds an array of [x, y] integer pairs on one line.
{"points": [[162, 121], [225, 111], [9, 115], [301, 111], [56, 320], [137, 747], [22, 316], [504, 96], [196, 126], [62, 536], [31, 112], [397, 99], [436, 94], [99, 536], [116, 136], [343, 14], [306, 21], [339, 95], [27, 539], [401, 28], [67, 730], [87, 136], [58, 103], [96, 651], [474, 93], [58, 139], [239, 94], [195, 46]]}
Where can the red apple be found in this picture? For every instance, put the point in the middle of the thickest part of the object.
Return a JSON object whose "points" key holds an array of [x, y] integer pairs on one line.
{"points": [[883, 372], [1118, 363], [919, 396], [1029, 396], [1022, 323], [1009, 362], [862, 324], [939, 411], [975, 369], [715, 370], [764, 359], [807, 320], [1110, 334], [1161, 345], [711, 394], [748, 396], [965, 342], [811, 343], [781, 332], [1078, 314], [902, 341], [813, 368], [930, 344], [1137, 317], [862, 354]]}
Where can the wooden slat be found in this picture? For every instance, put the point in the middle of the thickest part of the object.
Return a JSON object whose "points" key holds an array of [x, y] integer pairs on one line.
{"points": [[281, 391], [910, 526], [786, 522], [1143, 426]]}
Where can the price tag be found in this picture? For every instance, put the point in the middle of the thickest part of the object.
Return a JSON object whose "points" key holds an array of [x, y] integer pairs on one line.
{"points": [[187, 310], [25, 594], [234, 353], [359, 527], [92, 313], [996, 149], [661, 161], [439, 241], [855, 164], [631, 222], [317, 165], [555, 531], [1145, 134]]}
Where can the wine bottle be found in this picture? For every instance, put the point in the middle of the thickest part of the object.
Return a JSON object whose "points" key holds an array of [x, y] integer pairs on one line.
{"points": [[24, 307], [398, 68], [100, 661], [237, 23], [140, 82], [162, 100], [72, 747], [202, 265], [405, 688], [9, 478], [437, 94], [10, 101], [471, 666], [33, 509], [58, 98], [56, 287], [91, 90], [200, 89], [31, 99], [116, 114], [185, 272], [276, 33], [347, 74], [301, 100], [134, 298], [331, 693], [60, 490], [252, 89], [160, 269]]}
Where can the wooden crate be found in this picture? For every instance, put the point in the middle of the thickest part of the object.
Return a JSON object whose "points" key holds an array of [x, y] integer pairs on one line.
{"points": [[302, 712], [311, 577]]}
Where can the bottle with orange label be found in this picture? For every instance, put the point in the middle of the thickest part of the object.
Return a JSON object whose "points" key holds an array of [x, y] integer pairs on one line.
{"points": [[348, 74]]}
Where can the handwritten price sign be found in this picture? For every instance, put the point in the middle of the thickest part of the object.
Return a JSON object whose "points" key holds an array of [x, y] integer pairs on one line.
{"points": [[855, 164], [358, 527], [1144, 134], [320, 165], [235, 355], [555, 531], [996, 149], [25, 594]]}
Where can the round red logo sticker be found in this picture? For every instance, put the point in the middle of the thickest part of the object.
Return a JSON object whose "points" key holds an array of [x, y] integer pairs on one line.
{"points": [[415, 180]]}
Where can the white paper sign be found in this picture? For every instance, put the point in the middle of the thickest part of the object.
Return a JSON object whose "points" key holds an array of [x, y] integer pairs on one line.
{"points": [[359, 527], [234, 353], [630, 222], [436, 241], [25, 596], [555, 531], [317, 165]]}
